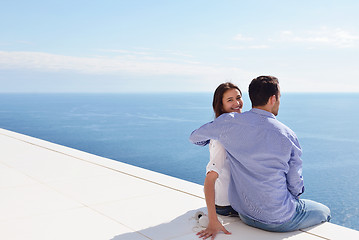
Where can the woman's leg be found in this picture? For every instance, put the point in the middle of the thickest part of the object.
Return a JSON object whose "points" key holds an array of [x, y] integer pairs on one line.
{"points": [[226, 211]]}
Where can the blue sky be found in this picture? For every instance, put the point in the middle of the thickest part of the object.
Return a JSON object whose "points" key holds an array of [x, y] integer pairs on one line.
{"points": [[177, 46]]}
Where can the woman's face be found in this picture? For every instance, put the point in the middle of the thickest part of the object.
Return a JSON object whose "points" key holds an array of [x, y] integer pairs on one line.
{"points": [[232, 101]]}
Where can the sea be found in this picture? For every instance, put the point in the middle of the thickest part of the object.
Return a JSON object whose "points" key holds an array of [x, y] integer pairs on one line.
{"points": [[151, 130]]}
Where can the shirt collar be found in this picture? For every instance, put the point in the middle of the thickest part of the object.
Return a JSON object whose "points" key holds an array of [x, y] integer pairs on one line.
{"points": [[262, 112]]}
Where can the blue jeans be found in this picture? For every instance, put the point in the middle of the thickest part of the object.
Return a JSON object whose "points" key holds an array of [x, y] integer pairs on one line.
{"points": [[226, 211], [308, 213]]}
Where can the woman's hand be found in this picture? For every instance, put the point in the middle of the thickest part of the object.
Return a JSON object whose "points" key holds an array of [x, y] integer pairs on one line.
{"points": [[213, 228]]}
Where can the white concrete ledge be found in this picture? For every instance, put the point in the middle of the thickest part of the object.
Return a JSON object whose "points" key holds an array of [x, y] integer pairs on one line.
{"points": [[49, 191]]}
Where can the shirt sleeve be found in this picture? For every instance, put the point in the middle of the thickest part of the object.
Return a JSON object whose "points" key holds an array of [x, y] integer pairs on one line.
{"points": [[295, 181], [217, 155], [211, 130]]}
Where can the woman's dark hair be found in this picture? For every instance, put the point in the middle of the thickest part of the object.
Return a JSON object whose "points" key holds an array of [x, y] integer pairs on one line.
{"points": [[218, 97], [262, 88]]}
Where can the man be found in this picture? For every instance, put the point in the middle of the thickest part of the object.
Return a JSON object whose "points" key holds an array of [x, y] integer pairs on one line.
{"points": [[266, 168]]}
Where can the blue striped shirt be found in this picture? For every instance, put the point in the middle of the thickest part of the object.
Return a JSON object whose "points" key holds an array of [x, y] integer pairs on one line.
{"points": [[264, 157]]}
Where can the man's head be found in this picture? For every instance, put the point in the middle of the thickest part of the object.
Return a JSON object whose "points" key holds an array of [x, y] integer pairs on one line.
{"points": [[264, 93]]}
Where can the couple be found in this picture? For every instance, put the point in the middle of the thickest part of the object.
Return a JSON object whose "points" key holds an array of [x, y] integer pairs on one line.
{"points": [[255, 170]]}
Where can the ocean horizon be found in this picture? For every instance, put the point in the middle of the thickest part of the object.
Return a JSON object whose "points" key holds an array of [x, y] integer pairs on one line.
{"points": [[151, 130]]}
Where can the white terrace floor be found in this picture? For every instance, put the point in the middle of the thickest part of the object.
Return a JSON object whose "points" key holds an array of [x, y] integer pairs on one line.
{"points": [[48, 191]]}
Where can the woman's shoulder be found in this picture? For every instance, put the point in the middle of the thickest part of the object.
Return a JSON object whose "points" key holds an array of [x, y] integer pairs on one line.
{"points": [[215, 144]]}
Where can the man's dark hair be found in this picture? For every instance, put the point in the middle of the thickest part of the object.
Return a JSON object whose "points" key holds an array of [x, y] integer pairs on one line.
{"points": [[262, 88]]}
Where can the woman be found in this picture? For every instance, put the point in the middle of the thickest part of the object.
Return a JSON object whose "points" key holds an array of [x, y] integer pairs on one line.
{"points": [[227, 98]]}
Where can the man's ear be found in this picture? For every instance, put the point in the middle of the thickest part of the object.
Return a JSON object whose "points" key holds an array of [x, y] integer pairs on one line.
{"points": [[272, 100]]}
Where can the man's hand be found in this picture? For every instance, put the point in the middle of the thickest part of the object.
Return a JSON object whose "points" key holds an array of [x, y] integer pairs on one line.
{"points": [[212, 230]]}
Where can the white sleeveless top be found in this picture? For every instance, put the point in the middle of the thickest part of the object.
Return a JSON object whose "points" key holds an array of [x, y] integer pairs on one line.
{"points": [[218, 162]]}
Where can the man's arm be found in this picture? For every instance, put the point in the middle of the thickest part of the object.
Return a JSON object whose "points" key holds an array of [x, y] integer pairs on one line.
{"points": [[294, 176], [211, 130]]}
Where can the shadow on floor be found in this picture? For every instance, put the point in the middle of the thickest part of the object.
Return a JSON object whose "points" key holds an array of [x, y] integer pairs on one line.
{"points": [[186, 226]]}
